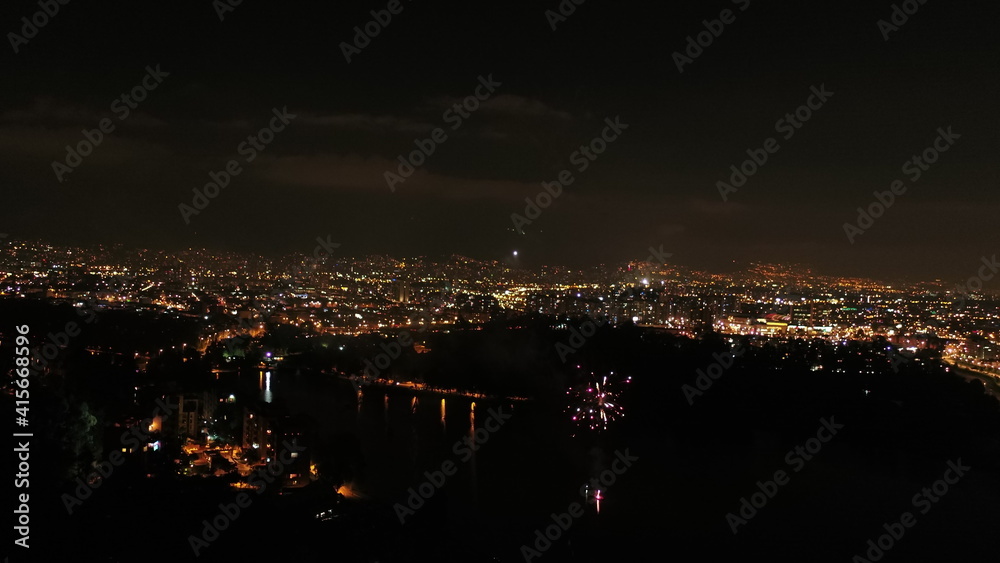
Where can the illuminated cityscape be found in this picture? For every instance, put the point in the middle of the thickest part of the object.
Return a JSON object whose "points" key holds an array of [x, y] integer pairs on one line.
{"points": [[356, 296], [519, 282], [226, 344]]}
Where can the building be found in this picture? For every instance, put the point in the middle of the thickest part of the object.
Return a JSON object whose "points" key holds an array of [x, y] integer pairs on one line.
{"points": [[982, 349], [403, 291], [257, 432], [801, 314], [291, 432], [191, 418]]}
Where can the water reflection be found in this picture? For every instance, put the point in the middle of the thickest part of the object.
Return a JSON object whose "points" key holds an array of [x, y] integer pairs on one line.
{"points": [[474, 490], [265, 386], [405, 432], [444, 424]]}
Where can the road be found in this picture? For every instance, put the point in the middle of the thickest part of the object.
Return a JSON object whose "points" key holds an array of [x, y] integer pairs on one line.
{"points": [[969, 373]]}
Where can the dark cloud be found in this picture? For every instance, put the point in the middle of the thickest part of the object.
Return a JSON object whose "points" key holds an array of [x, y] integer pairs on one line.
{"points": [[655, 185]]}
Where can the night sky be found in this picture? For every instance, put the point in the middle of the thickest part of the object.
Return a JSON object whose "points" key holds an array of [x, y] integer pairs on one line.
{"points": [[655, 185]]}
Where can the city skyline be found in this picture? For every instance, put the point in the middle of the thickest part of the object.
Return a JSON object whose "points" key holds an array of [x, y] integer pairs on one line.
{"points": [[501, 282], [324, 251]]}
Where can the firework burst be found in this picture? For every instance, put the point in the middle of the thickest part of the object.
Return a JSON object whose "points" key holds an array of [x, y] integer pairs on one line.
{"points": [[595, 405]]}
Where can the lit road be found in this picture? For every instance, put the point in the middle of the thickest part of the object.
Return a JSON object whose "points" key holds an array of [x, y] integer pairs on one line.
{"points": [[971, 372]]}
